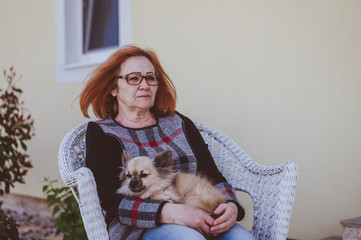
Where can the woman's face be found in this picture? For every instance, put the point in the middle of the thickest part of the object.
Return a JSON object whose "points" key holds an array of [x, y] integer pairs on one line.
{"points": [[135, 97]]}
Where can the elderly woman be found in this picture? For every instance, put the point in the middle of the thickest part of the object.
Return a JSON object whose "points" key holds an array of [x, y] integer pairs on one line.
{"points": [[135, 101]]}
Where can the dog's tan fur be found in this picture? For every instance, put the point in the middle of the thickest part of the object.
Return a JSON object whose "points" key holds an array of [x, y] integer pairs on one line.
{"points": [[154, 179]]}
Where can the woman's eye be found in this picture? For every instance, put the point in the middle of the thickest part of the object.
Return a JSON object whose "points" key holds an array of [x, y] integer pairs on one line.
{"points": [[134, 79], [150, 78]]}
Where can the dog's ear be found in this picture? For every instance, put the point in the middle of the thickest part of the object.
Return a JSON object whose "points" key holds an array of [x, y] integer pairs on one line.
{"points": [[122, 174], [126, 156], [163, 160]]}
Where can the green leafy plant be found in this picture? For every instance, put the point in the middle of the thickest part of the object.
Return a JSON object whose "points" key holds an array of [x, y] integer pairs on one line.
{"points": [[16, 128], [8, 226], [66, 211]]}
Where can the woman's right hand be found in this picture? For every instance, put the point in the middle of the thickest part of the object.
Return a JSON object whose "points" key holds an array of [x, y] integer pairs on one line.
{"points": [[187, 215]]}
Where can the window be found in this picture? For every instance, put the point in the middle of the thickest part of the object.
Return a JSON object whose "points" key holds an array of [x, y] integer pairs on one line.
{"points": [[87, 32], [100, 24]]}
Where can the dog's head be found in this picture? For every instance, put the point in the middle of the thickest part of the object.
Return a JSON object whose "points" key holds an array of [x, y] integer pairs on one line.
{"points": [[141, 173]]}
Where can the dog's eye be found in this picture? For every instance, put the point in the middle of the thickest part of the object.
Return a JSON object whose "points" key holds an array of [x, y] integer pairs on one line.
{"points": [[128, 175], [143, 175]]}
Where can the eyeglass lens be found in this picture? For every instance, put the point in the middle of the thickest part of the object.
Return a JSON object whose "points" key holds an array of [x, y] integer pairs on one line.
{"points": [[136, 79]]}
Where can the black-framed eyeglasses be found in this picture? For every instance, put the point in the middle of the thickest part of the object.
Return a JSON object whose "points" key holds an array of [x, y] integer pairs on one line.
{"points": [[137, 78]]}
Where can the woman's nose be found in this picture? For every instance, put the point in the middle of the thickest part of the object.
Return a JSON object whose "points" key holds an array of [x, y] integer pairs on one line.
{"points": [[143, 84]]}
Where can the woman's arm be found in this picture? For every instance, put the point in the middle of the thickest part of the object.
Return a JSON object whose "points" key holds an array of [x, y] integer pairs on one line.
{"points": [[103, 155]]}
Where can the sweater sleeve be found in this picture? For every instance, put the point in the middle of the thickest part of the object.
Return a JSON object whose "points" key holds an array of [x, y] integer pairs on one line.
{"points": [[103, 157], [207, 166]]}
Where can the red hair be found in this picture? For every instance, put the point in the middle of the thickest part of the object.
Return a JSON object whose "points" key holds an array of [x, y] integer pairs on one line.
{"points": [[97, 91]]}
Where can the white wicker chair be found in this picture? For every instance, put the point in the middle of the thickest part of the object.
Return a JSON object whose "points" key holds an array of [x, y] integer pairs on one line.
{"points": [[272, 189]]}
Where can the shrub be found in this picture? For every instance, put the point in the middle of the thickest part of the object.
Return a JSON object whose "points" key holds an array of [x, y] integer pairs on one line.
{"points": [[8, 226], [65, 208], [16, 128]]}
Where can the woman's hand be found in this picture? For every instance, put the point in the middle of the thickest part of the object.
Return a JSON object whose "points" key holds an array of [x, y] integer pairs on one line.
{"points": [[227, 215], [187, 215]]}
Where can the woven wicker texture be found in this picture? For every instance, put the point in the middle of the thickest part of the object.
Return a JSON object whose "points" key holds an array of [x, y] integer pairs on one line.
{"points": [[272, 189]]}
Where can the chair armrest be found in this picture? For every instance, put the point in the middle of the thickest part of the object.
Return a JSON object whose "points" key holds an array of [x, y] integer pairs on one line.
{"points": [[89, 205], [272, 188], [273, 191]]}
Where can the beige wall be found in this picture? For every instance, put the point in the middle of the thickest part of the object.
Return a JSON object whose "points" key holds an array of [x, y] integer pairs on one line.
{"points": [[27, 42], [281, 78]]}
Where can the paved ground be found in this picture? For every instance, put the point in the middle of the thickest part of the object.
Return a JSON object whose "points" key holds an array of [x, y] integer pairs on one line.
{"points": [[34, 227], [33, 216]]}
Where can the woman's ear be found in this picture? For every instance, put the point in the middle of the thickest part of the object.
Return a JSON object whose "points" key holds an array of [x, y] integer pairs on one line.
{"points": [[114, 92]]}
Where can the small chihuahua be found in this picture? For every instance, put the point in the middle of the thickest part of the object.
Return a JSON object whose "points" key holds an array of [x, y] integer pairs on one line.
{"points": [[145, 177]]}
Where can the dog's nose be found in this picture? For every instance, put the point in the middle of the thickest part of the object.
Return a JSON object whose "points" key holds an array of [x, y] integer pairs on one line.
{"points": [[134, 183]]}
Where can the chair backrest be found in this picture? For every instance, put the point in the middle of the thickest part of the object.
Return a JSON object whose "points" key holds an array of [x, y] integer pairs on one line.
{"points": [[272, 188], [72, 154]]}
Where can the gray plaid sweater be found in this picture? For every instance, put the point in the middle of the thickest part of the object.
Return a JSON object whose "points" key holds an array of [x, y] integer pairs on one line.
{"points": [[128, 217]]}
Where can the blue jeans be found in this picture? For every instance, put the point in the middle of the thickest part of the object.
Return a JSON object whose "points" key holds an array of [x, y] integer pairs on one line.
{"points": [[178, 232]]}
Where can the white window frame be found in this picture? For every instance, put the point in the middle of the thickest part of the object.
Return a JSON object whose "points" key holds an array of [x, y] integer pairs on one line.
{"points": [[72, 65]]}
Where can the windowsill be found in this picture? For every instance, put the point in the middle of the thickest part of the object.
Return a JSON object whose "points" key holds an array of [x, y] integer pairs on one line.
{"points": [[72, 66], [91, 59]]}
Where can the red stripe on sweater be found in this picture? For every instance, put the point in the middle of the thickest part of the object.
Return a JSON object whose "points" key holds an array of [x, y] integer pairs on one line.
{"points": [[229, 191], [154, 143], [134, 212]]}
